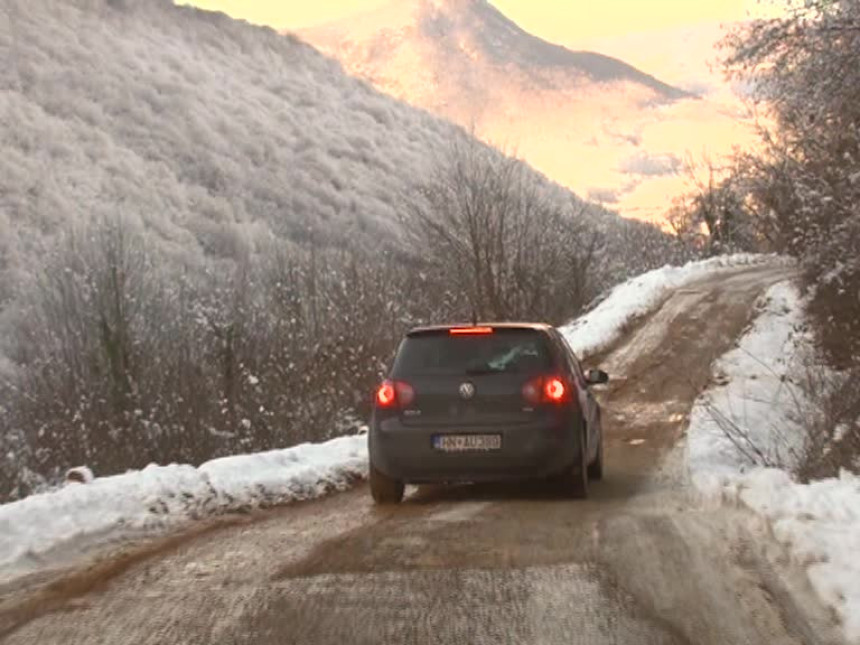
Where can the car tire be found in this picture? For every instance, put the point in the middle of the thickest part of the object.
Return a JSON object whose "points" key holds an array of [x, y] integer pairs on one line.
{"points": [[595, 468], [574, 482], [384, 489]]}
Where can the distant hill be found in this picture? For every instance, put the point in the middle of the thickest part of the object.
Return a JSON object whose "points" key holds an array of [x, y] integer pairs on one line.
{"points": [[463, 36], [209, 130], [217, 136], [587, 120], [202, 126]]}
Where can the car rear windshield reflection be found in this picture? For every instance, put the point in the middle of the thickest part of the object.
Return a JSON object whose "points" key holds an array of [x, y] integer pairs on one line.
{"points": [[505, 351]]}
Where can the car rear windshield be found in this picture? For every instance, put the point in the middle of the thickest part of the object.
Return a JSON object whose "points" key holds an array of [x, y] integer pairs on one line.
{"points": [[504, 350]]}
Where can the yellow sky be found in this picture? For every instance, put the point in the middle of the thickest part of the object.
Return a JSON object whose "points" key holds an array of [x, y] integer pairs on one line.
{"points": [[557, 20]]}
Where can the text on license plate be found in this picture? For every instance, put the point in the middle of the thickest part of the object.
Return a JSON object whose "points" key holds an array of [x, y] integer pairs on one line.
{"points": [[467, 442]]}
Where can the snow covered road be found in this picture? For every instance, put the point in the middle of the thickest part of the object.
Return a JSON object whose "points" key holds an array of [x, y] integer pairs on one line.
{"points": [[639, 562]]}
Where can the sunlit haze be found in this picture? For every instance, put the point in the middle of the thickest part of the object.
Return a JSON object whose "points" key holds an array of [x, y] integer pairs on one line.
{"points": [[588, 141], [559, 20]]}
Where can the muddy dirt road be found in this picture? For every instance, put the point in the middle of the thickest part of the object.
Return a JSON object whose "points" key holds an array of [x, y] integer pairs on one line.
{"points": [[640, 562]]}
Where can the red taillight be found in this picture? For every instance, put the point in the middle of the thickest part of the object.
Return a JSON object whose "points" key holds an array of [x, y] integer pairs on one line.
{"points": [[554, 390], [386, 395], [470, 331], [393, 394], [547, 389]]}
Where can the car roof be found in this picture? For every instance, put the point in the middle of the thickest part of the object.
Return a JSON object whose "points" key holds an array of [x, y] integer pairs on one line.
{"points": [[429, 329]]}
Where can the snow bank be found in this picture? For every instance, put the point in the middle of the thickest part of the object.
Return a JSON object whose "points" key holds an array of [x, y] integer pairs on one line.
{"points": [[600, 327], [159, 497], [754, 391], [819, 523], [306, 471]]}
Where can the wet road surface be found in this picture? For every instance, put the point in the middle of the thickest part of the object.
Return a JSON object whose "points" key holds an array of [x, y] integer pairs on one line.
{"points": [[639, 562]]}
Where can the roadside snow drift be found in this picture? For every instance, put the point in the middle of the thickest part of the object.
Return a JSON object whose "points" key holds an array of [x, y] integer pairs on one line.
{"points": [[755, 393], [820, 524], [599, 328], [159, 497]]}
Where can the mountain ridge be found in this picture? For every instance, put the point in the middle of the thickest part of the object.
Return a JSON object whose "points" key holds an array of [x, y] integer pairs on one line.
{"points": [[591, 122], [489, 32]]}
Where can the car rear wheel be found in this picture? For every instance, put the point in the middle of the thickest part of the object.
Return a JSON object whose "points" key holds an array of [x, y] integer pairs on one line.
{"points": [[574, 481], [595, 468], [384, 489]]}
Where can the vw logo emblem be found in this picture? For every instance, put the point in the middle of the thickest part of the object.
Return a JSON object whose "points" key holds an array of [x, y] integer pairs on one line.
{"points": [[467, 390]]}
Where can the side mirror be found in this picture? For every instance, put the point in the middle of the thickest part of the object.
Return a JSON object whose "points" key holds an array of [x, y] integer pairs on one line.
{"points": [[596, 377]]}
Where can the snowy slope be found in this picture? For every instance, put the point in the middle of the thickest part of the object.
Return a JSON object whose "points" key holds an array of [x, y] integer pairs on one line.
{"points": [[218, 135], [456, 36], [591, 122], [160, 497], [819, 522], [202, 126], [756, 390]]}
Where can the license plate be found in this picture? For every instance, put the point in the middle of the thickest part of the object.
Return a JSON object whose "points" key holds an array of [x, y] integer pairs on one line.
{"points": [[467, 442]]}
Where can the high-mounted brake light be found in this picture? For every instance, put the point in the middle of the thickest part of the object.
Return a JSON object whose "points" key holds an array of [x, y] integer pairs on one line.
{"points": [[470, 331]]}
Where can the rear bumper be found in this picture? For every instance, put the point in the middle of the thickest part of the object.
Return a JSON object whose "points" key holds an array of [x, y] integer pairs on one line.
{"points": [[529, 451]]}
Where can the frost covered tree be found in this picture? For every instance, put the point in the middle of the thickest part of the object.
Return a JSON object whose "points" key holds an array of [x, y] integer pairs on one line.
{"points": [[804, 190], [805, 186], [119, 363], [713, 216], [503, 242], [80, 339]]}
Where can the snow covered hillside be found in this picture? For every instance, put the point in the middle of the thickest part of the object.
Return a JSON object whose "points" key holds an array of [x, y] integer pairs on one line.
{"points": [[607, 129], [216, 134], [756, 415], [204, 127]]}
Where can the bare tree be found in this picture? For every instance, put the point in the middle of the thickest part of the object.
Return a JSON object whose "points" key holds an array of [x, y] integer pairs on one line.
{"points": [[80, 340], [502, 243], [805, 186], [714, 215], [802, 188]]}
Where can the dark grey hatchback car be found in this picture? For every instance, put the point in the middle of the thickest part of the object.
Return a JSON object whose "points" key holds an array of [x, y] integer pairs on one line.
{"points": [[490, 402]]}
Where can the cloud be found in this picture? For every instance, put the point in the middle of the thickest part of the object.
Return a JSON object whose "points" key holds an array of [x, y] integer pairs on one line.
{"points": [[604, 195], [651, 165]]}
